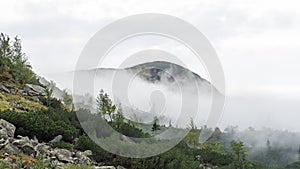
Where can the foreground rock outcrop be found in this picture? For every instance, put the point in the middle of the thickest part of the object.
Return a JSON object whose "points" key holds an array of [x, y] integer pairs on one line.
{"points": [[26, 150], [27, 90]]}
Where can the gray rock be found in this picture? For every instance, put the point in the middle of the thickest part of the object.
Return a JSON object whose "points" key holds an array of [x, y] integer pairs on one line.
{"points": [[63, 155], [13, 91], [11, 149], [87, 153], [15, 146], [3, 134], [56, 139], [4, 88], [120, 167], [34, 90], [105, 167], [34, 141], [3, 142], [75, 140], [24, 144], [18, 106], [82, 159], [57, 164], [42, 149], [6, 129], [20, 141], [28, 149], [21, 91]]}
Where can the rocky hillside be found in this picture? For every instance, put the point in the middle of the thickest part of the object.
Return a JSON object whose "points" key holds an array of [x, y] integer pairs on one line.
{"points": [[22, 152], [38, 124], [26, 98]]}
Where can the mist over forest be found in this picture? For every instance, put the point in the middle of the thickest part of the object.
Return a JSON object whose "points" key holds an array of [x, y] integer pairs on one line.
{"points": [[255, 120]]}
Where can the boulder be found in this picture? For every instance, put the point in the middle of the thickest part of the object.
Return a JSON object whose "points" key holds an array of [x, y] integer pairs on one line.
{"points": [[3, 142], [82, 159], [13, 91], [3, 134], [87, 153], [6, 129], [28, 149], [23, 92], [56, 139], [58, 164], [24, 144], [63, 155], [34, 90], [42, 149], [20, 141], [4, 88], [34, 141], [11, 149]]}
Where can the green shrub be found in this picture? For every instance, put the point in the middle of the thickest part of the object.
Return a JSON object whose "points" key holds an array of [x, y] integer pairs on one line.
{"points": [[85, 143], [293, 165], [40, 125], [131, 131], [4, 164], [62, 144]]}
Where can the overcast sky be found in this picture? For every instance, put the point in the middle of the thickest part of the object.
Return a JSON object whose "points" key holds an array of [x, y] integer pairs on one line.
{"points": [[258, 42]]}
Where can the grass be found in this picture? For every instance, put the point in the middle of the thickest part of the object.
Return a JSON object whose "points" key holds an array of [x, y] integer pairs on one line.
{"points": [[76, 166], [4, 105], [5, 98], [12, 97], [32, 104], [2, 97]]}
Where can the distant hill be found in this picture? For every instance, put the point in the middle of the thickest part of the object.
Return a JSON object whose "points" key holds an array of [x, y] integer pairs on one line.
{"points": [[160, 73]]}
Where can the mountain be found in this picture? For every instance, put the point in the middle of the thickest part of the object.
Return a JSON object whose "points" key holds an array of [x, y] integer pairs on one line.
{"points": [[160, 73], [170, 73], [153, 71]]}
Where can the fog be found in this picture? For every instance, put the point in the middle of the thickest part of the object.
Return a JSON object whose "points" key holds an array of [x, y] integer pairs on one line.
{"points": [[162, 99], [271, 111], [176, 101], [165, 100], [253, 118]]}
